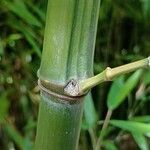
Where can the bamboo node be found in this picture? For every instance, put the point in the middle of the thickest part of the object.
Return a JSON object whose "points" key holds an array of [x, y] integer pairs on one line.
{"points": [[69, 95], [108, 74]]}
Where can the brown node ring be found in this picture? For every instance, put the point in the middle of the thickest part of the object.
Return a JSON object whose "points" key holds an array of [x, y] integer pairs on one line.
{"points": [[48, 91]]}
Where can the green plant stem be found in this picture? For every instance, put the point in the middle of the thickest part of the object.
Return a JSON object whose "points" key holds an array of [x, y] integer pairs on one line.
{"points": [[104, 127], [93, 137], [58, 124], [110, 73], [68, 49]]}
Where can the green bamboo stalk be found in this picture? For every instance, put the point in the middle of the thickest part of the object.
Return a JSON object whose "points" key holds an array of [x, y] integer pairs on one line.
{"points": [[68, 49]]}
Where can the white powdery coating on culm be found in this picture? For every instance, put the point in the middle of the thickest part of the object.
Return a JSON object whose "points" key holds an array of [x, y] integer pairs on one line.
{"points": [[72, 88]]}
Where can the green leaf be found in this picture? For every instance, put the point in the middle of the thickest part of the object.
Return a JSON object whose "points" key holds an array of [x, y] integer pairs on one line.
{"points": [[1, 47], [28, 144], [120, 91], [29, 35], [14, 37], [90, 112], [146, 8], [105, 8], [114, 92], [132, 126], [109, 145], [141, 141], [146, 77], [4, 106], [145, 119], [37, 10], [15, 136], [20, 9]]}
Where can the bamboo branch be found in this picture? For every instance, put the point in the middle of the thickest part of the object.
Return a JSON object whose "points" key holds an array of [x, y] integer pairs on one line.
{"points": [[104, 127], [75, 88]]}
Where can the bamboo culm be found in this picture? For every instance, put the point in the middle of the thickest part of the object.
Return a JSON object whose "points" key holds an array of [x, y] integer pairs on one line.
{"points": [[68, 50]]}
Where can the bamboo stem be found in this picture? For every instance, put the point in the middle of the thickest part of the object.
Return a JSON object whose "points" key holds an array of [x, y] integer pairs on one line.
{"points": [[58, 124], [68, 50]]}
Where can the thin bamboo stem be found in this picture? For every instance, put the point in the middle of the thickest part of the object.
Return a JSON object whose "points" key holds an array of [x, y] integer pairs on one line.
{"points": [[110, 73], [104, 127]]}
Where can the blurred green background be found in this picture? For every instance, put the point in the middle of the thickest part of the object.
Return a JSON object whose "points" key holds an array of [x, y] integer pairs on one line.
{"points": [[123, 36]]}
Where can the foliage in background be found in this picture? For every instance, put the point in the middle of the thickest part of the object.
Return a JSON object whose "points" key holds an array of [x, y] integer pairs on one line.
{"points": [[123, 36], [21, 37]]}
